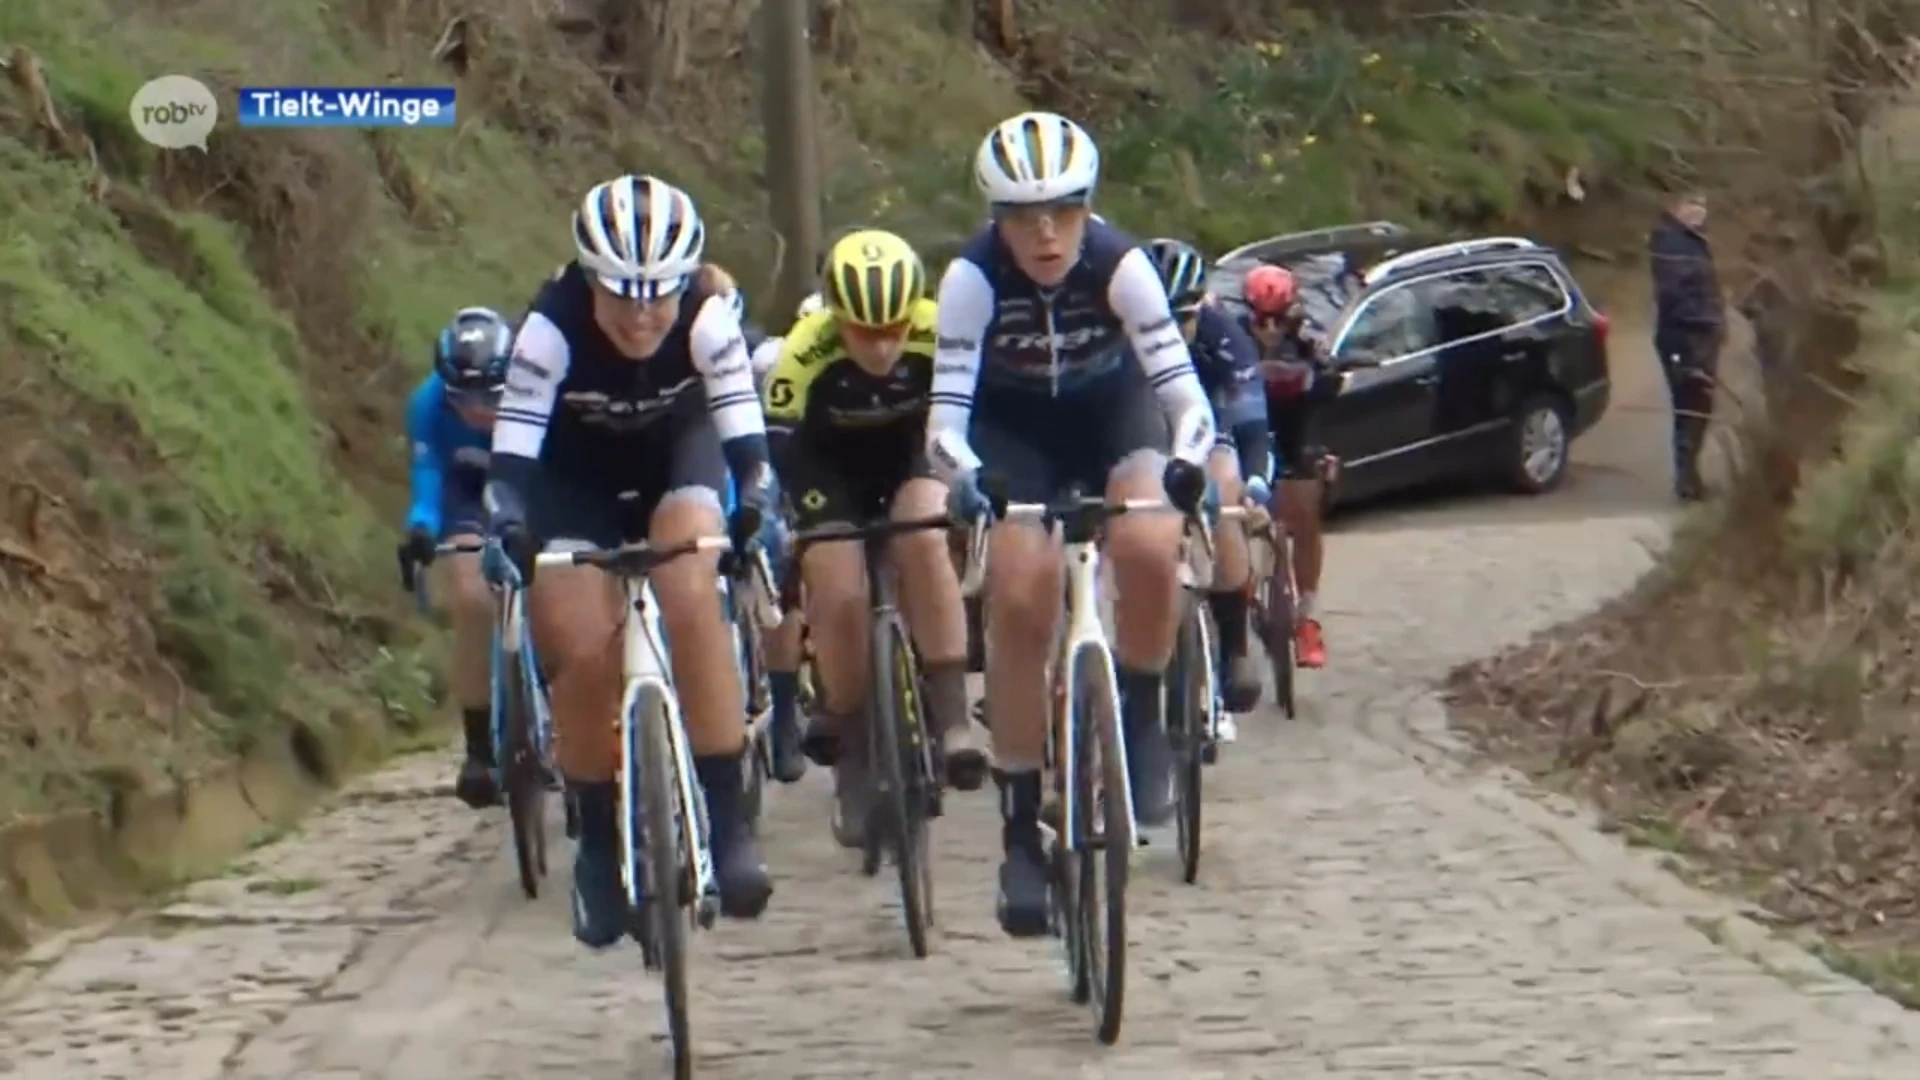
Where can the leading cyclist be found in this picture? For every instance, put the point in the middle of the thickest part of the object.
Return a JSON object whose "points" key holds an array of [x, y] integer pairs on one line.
{"points": [[450, 428], [1228, 363], [847, 415], [1298, 380], [1059, 325], [628, 401]]}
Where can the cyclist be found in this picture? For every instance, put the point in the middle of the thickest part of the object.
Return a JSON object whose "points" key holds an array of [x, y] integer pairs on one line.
{"points": [[1228, 363], [1298, 380], [450, 426], [847, 416], [1055, 339], [628, 401]]}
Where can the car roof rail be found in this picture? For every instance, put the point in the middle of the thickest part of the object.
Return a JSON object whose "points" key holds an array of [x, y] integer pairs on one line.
{"points": [[1481, 246], [1335, 236]]}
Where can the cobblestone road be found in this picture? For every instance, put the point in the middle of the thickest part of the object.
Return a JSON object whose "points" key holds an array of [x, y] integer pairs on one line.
{"points": [[1368, 908]]}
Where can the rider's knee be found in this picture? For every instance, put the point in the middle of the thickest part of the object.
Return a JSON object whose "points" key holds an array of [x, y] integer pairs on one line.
{"points": [[687, 587], [468, 600], [1023, 580], [836, 588], [573, 618], [920, 497]]}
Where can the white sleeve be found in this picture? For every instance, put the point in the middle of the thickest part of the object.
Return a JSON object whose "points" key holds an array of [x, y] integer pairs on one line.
{"points": [[966, 309], [539, 366], [719, 349], [1139, 300], [765, 355]]}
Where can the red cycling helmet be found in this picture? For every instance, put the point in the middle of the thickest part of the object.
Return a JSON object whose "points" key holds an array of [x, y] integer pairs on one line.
{"points": [[1270, 291]]}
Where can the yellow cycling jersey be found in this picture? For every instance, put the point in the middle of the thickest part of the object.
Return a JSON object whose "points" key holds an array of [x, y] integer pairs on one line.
{"points": [[817, 390]]}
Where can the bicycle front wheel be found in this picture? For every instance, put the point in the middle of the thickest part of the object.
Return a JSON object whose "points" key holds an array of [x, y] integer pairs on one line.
{"points": [[663, 834], [1106, 850], [1191, 724], [524, 777], [898, 744]]}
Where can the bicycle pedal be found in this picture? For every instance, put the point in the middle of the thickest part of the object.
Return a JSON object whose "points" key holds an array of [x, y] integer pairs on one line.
{"points": [[706, 912]]}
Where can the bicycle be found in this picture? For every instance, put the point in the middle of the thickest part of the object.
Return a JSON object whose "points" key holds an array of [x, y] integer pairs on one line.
{"points": [[665, 863], [1275, 596], [907, 769], [1094, 828], [1194, 706], [522, 725]]}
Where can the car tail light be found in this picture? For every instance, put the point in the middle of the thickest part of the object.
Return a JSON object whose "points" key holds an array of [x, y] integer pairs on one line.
{"points": [[1601, 326]]}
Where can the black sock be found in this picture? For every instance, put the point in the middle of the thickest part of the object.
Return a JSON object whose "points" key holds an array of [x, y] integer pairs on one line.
{"points": [[1019, 804], [477, 726], [1230, 621], [596, 805], [1140, 699], [720, 777]]}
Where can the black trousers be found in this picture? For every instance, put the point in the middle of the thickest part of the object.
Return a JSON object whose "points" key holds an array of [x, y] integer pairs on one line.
{"points": [[1691, 364]]}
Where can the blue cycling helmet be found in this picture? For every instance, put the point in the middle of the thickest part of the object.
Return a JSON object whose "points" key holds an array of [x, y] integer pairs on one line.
{"points": [[472, 353], [1183, 272]]}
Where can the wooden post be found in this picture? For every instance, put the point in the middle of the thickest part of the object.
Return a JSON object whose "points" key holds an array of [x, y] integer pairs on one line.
{"points": [[793, 162]]}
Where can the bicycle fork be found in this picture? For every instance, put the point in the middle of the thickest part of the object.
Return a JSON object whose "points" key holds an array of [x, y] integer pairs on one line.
{"points": [[648, 659], [1084, 636]]}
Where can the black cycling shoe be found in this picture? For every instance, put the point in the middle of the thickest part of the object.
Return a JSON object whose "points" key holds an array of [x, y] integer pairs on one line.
{"points": [[1023, 904], [785, 743], [1240, 684], [475, 785], [739, 871], [1150, 775]]}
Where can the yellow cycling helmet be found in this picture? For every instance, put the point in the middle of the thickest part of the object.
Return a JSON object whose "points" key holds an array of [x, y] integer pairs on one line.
{"points": [[873, 278]]}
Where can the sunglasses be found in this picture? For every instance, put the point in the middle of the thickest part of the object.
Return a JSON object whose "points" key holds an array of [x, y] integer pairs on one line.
{"points": [[876, 335], [1034, 217]]}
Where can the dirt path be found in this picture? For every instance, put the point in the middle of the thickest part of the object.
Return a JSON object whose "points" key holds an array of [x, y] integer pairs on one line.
{"points": [[1368, 907]]}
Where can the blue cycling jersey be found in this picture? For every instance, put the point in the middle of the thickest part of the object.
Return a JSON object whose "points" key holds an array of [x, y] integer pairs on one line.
{"points": [[1227, 359], [445, 451]]}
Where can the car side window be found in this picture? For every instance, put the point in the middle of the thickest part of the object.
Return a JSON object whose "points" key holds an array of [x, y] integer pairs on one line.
{"points": [[1395, 321], [1465, 304], [1528, 291]]}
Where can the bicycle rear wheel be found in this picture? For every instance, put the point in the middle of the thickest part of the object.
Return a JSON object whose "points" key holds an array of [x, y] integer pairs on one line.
{"points": [[1106, 851], [525, 781], [662, 837], [1274, 600], [898, 747], [1190, 722]]}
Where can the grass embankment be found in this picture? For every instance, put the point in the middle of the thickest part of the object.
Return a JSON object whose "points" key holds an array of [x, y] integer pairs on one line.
{"points": [[204, 357], [1751, 709]]}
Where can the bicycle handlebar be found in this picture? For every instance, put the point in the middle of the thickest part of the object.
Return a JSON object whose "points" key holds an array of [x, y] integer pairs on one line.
{"points": [[835, 532]]}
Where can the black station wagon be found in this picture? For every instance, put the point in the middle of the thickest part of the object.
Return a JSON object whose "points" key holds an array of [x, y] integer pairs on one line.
{"points": [[1472, 359]]}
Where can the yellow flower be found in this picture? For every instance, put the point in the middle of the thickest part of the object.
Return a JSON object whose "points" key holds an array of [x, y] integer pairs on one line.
{"points": [[1309, 139], [1366, 118], [1270, 49], [1266, 160], [1370, 59]]}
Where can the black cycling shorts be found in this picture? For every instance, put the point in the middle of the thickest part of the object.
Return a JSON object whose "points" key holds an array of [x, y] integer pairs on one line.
{"points": [[1296, 455], [1038, 446], [575, 508], [851, 480]]}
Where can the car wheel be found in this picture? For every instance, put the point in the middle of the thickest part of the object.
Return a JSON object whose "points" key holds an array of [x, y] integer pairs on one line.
{"points": [[1537, 451]]}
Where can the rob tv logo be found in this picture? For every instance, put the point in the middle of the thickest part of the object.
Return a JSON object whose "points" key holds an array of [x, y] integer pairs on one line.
{"points": [[174, 112]]}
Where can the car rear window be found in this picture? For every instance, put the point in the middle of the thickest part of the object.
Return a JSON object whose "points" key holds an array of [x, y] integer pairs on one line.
{"points": [[1322, 297]]}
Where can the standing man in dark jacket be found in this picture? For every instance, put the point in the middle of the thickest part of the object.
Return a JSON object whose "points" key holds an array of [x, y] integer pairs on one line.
{"points": [[1690, 324]]}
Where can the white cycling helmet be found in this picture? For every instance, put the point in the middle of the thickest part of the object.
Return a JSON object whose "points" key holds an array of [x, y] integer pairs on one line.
{"points": [[1036, 157], [641, 236]]}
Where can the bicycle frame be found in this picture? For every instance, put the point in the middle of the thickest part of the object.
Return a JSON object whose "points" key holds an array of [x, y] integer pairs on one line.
{"points": [[511, 644], [1083, 634]]}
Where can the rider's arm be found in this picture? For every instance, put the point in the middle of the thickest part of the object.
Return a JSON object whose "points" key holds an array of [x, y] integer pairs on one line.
{"points": [[427, 473], [784, 397], [1243, 407], [540, 358], [966, 310], [1139, 300], [720, 355]]}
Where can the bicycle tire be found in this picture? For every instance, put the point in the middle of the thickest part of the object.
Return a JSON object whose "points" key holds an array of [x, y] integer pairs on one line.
{"points": [[1097, 688], [1065, 749], [897, 744], [1191, 728], [526, 787], [1277, 632], [662, 833], [758, 763]]}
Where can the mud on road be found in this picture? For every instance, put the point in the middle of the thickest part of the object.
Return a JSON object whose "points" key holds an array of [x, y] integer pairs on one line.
{"points": [[1369, 906]]}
